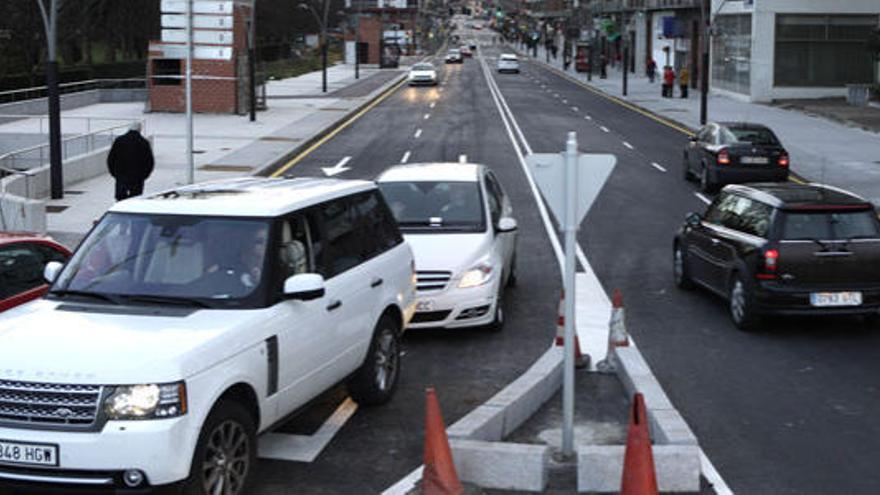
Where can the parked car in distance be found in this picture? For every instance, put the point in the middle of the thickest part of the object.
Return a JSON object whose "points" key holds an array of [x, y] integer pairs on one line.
{"points": [[459, 222], [23, 257], [508, 62], [784, 249], [465, 51], [453, 56], [473, 45], [422, 73], [189, 321], [734, 152]]}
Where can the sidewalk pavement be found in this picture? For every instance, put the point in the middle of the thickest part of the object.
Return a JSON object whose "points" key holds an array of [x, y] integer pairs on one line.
{"points": [[821, 150], [225, 146]]}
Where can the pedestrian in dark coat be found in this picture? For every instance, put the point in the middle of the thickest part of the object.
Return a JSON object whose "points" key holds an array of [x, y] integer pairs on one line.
{"points": [[130, 162], [652, 70], [603, 66]]}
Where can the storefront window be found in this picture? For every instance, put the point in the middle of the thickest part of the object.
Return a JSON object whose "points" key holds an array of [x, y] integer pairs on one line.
{"points": [[821, 50], [732, 52]]}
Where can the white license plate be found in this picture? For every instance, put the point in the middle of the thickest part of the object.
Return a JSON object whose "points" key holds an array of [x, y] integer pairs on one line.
{"points": [[825, 299], [425, 305], [28, 454], [754, 160]]}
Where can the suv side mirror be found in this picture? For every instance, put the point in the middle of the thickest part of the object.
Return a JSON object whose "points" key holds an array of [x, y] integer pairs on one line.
{"points": [[304, 286], [51, 271], [693, 219], [506, 224]]}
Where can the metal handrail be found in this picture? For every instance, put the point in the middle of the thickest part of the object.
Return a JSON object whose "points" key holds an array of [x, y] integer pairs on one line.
{"points": [[88, 138], [88, 118], [12, 95]]}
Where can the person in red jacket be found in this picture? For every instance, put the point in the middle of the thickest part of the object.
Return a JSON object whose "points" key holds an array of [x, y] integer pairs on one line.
{"points": [[668, 81]]}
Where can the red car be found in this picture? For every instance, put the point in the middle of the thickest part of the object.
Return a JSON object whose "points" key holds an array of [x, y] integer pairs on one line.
{"points": [[22, 259]]}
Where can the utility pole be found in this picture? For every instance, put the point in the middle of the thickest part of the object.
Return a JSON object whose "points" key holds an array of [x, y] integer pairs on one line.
{"points": [[705, 12], [190, 163], [322, 24], [252, 64], [50, 23], [625, 65]]}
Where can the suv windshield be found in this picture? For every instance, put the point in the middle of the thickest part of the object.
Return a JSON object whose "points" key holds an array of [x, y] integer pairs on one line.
{"points": [[202, 261], [830, 225], [749, 135], [447, 206]]}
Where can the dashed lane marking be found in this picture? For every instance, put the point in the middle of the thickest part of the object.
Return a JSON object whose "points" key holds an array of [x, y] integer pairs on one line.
{"points": [[427, 116], [587, 117], [405, 157], [418, 133], [658, 166], [604, 129], [574, 109], [432, 104], [703, 198], [629, 145]]}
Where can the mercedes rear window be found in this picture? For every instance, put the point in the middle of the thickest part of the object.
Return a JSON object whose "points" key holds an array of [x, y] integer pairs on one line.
{"points": [[830, 225]]}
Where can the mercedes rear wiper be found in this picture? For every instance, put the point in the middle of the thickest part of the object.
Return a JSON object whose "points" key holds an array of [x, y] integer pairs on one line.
{"points": [[84, 294], [176, 301]]}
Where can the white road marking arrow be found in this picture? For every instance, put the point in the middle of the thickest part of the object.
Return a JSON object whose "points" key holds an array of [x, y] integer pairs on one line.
{"points": [[338, 168]]}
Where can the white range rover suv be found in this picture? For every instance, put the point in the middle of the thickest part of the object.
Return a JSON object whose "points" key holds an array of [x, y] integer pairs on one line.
{"points": [[189, 321]]}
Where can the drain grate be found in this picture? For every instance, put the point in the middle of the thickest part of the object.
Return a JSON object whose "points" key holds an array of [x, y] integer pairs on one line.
{"points": [[55, 208]]}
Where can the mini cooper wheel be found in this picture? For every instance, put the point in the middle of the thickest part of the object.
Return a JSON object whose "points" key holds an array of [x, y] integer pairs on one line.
{"points": [[373, 383], [679, 269], [706, 184], [225, 454], [741, 305]]}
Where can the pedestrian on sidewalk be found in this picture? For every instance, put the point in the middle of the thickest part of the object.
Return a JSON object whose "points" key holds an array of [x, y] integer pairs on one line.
{"points": [[684, 79], [603, 66], [130, 162], [652, 70], [668, 81]]}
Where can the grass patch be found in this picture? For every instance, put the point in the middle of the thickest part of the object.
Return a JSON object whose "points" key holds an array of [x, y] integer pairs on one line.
{"points": [[283, 69]]}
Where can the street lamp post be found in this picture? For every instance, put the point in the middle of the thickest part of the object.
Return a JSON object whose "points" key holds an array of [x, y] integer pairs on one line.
{"points": [[705, 12], [50, 23], [322, 23]]}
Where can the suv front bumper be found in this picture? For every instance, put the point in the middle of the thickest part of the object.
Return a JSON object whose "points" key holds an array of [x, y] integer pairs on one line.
{"points": [[162, 449], [457, 308]]}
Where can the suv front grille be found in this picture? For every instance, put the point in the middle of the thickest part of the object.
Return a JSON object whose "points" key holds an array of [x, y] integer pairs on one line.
{"points": [[432, 280], [33, 404]]}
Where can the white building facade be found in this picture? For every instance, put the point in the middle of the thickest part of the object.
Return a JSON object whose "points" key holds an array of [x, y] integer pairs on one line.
{"points": [[765, 50]]}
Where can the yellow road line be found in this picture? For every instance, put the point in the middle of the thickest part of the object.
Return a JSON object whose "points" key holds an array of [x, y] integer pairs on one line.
{"points": [[293, 161]]}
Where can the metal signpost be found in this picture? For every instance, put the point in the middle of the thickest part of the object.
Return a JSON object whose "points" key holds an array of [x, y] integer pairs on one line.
{"points": [[200, 30], [570, 183]]}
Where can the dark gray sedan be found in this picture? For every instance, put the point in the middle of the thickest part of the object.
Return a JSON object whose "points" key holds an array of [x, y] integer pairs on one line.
{"points": [[734, 152]]}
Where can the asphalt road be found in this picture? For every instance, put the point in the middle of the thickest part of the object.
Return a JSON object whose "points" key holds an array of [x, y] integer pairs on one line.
{"points": [[378, 446], [786, 410]]}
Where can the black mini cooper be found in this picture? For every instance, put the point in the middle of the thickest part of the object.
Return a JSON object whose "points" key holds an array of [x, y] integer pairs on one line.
{"points": [[783, 248]]}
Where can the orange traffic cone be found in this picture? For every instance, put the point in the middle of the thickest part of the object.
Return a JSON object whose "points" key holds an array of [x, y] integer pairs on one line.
{"points": [[580, 361], [639, 475], [617, 336], [439, 476]]}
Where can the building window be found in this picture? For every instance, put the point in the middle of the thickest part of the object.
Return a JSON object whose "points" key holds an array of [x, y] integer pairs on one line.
{"points": [[823, 50], [166, 72], [732, 53]]}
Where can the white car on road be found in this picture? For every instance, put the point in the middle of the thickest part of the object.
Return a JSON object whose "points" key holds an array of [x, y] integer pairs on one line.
{"points": [[459, 223], [189, 321], [422, 73], [508, 62]]}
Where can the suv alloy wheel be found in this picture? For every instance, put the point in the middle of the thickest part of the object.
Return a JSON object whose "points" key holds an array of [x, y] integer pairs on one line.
{"points": [[374, 381], [226, 452]]}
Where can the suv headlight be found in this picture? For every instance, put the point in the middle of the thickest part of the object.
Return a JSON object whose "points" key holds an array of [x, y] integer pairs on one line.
{"points": [[151, 401], [476, 276]]}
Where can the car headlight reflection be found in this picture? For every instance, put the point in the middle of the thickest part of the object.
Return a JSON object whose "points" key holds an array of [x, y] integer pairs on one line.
{"points": [[476, 276], [128, 402]]}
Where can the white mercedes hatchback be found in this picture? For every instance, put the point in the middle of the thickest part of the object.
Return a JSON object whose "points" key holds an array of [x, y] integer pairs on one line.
{"points": [[459, 223], [189, 321]]}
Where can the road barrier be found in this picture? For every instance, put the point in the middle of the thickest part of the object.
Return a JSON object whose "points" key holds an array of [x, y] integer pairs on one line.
{"points": [[580, 360], [639, 474], [439, 476], [617, 336]]}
